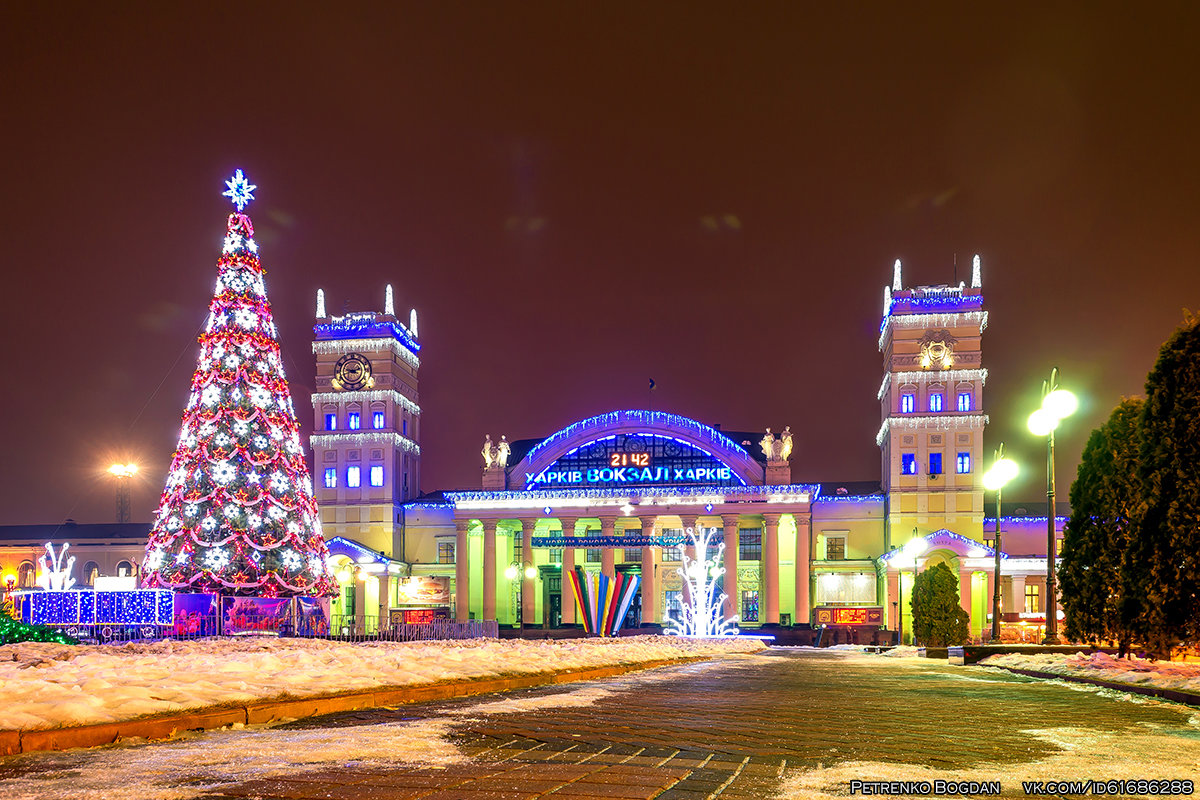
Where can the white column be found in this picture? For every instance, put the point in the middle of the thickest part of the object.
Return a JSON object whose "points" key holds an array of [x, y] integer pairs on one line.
{"points": [[732, 597], [568, 567], [770, 563], [803, 611], [489, 568], [462, 581], [528, 585], [649, 588]]}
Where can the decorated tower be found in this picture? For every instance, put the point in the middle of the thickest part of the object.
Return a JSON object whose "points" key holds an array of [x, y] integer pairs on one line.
{"points": [[367, 422], [237, 514], [931, 403]]}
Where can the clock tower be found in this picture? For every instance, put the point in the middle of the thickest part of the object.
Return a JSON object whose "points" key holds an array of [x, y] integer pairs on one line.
{"points": [[931, 403], [367, 430]]}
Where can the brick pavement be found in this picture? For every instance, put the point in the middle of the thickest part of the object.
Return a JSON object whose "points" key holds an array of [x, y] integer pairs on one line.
{"points": [[727, 729]]}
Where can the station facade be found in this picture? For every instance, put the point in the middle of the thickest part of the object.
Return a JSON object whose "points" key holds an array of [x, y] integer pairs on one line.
{"points": [[616, 492]]}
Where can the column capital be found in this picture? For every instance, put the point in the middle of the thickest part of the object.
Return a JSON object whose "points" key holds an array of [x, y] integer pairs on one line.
{"points": [[462, 525], [730, 520], [689, 520], [608, 524], [772, 519], [568, 525]]}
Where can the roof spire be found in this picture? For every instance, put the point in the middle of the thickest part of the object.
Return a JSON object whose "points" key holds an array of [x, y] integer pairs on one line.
{"points": [[389, 305], [412, 322], [320, 304], [896, 285], [976, 278]]}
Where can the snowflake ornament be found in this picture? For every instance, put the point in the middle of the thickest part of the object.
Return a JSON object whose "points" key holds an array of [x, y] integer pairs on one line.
{"points": [[216, 558], [223, 472], [240, 192]]}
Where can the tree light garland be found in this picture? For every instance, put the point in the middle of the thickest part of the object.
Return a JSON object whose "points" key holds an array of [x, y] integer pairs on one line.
{"points": [[702, 613], [237, 513]]}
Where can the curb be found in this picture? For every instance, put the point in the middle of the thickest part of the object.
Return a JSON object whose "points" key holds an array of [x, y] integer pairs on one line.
{"points": [[1149, 691], [256, 712]]}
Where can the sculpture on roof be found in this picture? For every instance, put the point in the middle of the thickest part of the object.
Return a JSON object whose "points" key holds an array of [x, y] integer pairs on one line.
{"points": [[502, 452], [495, 454], [777, 450], [489, 451]]}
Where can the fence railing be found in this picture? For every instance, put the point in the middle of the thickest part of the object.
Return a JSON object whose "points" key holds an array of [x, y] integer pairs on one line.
{"points": [[340, 628]]}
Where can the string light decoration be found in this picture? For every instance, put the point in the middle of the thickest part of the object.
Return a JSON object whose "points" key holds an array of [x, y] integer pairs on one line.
{"points": [[702, 614], [237, 513]]}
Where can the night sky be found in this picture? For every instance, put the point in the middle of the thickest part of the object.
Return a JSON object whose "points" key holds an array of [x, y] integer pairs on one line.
{"points": [[578, 197]]}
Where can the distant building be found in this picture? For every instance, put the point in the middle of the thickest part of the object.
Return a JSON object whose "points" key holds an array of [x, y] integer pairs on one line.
{"points": [[614, 493]]}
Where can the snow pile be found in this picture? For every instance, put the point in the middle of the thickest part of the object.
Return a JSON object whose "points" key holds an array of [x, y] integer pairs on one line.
{"points": [[903, 651], [50, 685], [1182, 677]]}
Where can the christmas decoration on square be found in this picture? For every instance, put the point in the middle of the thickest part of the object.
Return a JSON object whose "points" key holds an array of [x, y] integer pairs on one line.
{"points": [[237, 515]]}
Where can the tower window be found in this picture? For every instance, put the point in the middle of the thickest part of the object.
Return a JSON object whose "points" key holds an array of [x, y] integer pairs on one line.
{"points": [[908, 464], [445, 552], [377, 420], [404, 430], [964, 401], [935, 401], [935, 463], [331, 422], [354, 477], [964, 463], [354, 421], [908, 403], [330, 478], [377, 476]]}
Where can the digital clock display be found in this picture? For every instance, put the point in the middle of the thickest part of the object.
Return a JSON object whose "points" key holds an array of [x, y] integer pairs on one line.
{"points": [[629, 460]]}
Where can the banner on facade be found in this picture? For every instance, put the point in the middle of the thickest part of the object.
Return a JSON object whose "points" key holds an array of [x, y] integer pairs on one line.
{"points": [[672, 540], [312, 616], [844, 615]]}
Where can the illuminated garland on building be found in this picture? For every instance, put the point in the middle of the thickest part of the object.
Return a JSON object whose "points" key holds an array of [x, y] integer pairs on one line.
{"points": [[942, 376], [650, 495], [641, 419], [237, 513], [936, 422], [365, 437], [947, 320], [374, 396], [336, 346]]}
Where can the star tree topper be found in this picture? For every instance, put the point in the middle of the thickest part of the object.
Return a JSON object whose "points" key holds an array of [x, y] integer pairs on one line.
{"points": [[241, 191]]}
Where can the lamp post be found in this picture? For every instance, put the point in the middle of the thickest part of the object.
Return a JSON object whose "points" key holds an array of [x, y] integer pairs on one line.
{"points": [[123, 472], [906, 558], [1057, 405], [1003, 470], [525, 572]]}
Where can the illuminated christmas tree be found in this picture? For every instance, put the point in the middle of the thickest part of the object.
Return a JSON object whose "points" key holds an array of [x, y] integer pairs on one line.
{"points": [[237, 515]]}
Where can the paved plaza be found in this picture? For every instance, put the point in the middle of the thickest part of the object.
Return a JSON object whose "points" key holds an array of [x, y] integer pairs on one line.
{"points": [[741, 727]]}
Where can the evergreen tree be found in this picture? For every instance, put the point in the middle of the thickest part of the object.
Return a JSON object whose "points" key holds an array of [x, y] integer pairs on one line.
{"points": [[1169, 541], [938, 619], [1098, 576], [237, 514]]}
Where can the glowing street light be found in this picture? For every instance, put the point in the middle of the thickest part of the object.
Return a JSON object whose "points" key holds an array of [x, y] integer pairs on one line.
{"points": [[907, 558], [1003, 470], [123, 472], [528, 572], [1057, 405]]}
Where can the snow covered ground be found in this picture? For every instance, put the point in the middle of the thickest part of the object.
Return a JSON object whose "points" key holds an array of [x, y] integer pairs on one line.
{"points": [[49, 685], [1182, 677]]}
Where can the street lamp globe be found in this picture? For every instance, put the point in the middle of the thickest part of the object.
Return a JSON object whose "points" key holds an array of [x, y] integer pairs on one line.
{"points": [[531, 572], [1000, 474], [1042, 422], [915, 547], [511, 572], [1060, 403]]}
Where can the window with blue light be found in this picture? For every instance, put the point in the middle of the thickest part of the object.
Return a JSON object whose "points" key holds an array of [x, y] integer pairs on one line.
{"points": [[908, 403], [331, 422], [964, 463], [330, 478], [354, 477], [354, 421], [935, 463], [377, 476], [405, 428], [908, 464], [377, 420], [964, 401], [935, 401]]}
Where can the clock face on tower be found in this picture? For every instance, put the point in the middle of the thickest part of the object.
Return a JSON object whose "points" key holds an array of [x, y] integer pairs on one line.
{"points": [[352, 371]]}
